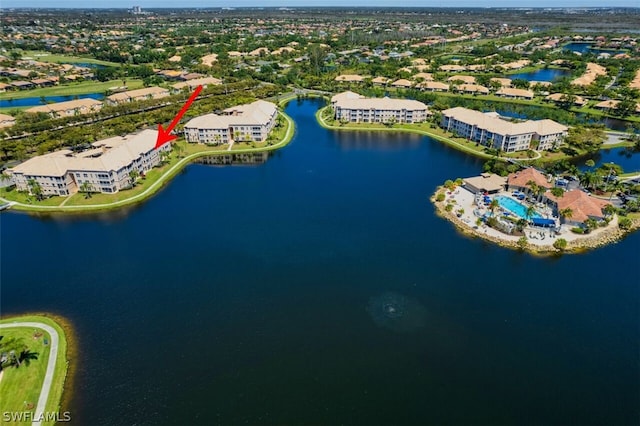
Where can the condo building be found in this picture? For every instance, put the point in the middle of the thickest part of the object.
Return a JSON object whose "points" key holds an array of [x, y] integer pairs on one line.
{"points": [[249, 122], [492, 130], [356, 108], [106, 167], [137, 95], [67, 108]]}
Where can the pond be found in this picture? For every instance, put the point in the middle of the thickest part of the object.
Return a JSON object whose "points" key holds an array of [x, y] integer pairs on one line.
{"points": [[87, 65], [545, 74], [627, 158], [588, 48], [35, 101]]}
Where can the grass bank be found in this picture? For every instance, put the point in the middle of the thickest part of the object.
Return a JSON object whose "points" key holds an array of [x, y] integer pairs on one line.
{"points": [[42, 56], [147, 187], [71, 89], [20, 387], [419, 128]]}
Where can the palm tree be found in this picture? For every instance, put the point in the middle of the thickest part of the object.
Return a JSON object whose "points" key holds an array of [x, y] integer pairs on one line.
{"points": [[35, 189], [493, 206], [566, 213], [179, 149], [557, 192], [87, 188], [609, 210], [533, 187], [520, 224], [133, 176], [529, 212], [13, 347], [589, 179], [591, 223]]}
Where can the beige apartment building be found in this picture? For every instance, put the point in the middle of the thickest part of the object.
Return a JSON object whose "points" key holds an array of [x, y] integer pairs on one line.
{"points": [[356, 108], [6, 120], [68, 108], [106, 166], [491, 129], [249, 122], [137, 95], [193, 83]]}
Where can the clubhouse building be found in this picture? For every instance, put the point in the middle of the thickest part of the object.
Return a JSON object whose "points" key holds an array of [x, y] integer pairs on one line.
{"points": [[249, 122], [355, 108], [492, 130], [106, 167]]}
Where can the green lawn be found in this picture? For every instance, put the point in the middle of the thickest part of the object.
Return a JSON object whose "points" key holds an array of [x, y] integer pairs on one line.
{"points": [[426, 129], [79, 88], [23, 384], [23, 197], [52, 57], [79, 199]]}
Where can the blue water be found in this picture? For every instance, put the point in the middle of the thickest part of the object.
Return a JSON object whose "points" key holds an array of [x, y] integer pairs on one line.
{"points": [[540, 75], [588, 48], [86, 65], [627, 158], [248, 295], [515, 207], [35, 101]]}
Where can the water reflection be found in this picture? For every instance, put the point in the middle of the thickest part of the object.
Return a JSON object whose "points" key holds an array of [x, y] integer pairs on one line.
{"points": [[626, 157], [368, 140], [228, 159]]}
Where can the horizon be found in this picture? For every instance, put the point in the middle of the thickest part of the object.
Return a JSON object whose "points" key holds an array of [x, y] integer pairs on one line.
{"points": [[202, 4]]}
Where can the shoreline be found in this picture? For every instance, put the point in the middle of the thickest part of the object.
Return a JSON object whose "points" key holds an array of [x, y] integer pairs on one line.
{"points": [[589, 242], [447, 141], [155, 186], [60, 394]]}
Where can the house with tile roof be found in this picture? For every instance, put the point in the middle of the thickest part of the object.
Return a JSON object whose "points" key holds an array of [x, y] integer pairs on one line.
{"points": [[582, 206], [521, 179]]}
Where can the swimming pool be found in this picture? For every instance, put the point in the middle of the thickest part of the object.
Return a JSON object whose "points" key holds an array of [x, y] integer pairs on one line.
{"points": [[515, 207]]}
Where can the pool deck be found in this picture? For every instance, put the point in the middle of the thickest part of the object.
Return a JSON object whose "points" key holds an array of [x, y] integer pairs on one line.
{"points": [[542, 238]]}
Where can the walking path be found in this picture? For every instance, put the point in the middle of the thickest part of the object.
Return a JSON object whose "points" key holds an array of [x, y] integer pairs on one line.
{"points": [[51, 365], [155, 185]]}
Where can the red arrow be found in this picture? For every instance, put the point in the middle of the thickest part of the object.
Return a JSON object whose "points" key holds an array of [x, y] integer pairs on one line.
{"points": [[165, 136]]}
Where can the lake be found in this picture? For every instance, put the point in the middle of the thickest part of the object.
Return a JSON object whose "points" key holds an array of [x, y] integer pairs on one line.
{"points": [[35, 101], [627, 158], [548, 74], [321, 288], [588, 48]]}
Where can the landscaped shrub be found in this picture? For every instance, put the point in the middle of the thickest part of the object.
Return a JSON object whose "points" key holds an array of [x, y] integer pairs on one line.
{"points": [[624, 223], [560, 244], [577, 230], [440, 197], [448, 207], [522, 242]]}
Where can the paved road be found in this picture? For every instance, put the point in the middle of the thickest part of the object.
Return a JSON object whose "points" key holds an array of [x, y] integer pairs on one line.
{"points": [[51, 365]]}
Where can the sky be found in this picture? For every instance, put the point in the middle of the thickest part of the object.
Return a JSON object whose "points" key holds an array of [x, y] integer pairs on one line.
{"points": [[5, 4]]}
